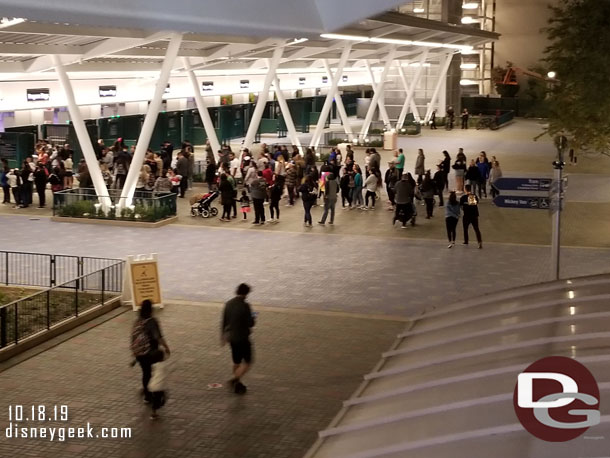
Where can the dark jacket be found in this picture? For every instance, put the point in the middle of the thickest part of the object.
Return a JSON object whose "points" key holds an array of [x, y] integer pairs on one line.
{"points": [[439, 180], [226, 192], [473, 173], [182, 166], [404, 192], [447, 165], [258, 188], [390, 178], [331, 189], [237, 320], [470, 211]]}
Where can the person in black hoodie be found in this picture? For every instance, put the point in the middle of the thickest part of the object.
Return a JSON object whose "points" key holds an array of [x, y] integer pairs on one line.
{"points": [[308, 196], [26, 185], [226, 197], [391, 176], [446, 168], [439, 181], [473, 175], [275, 195], [345, 190], [40, 180], [469, 203]]}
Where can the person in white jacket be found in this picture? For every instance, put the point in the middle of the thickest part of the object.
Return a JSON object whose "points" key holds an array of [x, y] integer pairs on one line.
{"points": [[371, 184]]}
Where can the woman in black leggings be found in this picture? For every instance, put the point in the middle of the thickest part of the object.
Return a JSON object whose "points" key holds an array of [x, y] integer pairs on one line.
{"points": [[226, 197], [452, 215]]}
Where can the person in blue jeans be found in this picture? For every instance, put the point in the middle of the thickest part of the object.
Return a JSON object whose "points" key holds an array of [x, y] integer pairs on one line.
{"points": [[357, 189]]}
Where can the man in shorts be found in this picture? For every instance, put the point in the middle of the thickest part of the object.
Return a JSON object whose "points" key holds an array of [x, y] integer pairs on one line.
{"points": [[237, 319]]}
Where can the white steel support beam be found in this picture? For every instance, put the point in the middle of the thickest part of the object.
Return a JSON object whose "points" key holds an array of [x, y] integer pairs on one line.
{"points": [[409, 101], [317, 134], [292, 131], [262, 97], [439, 84], [378, 93], [83, 136], [381, 101], [204, 114], [340, 106], [149, 122]]}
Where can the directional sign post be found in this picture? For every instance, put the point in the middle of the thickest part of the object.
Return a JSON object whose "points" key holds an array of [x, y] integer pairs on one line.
{"points": [[531, 202], [523, 184], [532, 193]]}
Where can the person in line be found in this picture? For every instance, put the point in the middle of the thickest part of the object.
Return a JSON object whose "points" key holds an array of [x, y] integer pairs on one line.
{"points": [[231, 179], [226, 197], [400, 164], [235, 328], [357, 188], [291, 182], [182, 169], [346, 192], [251, 175], [308, 196], [27, 178], [390, 179], [483, 165], [163, 184], [330, 199], [420, 166], [69, 172], [428, 191], [450, 118], [371, 189], [452, 216], [404, 200], [465, 116], [14, 181], [146, 337], [470, 206], [494, 174], [439, 183], [275, 195], [210, 172], [244, 202], [473, 175], [375, 160], [40, 181], [459, 166], [268, 176], [6, 188], [446, 168], [258, 192]]}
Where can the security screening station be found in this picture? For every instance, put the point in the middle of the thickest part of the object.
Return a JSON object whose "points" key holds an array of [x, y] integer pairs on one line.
{"points": [[304, 229]]}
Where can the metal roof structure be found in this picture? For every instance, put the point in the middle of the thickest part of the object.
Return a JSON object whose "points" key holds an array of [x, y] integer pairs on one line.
{"points": [[26, 46], [445, 389]]}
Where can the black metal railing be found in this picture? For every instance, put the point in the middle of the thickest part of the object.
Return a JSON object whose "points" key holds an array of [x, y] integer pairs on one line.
{"points": [[40, 311], [46, 270]]}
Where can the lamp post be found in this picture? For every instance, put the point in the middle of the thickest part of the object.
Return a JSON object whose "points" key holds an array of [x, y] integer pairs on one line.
{"points": [[556, 191]]}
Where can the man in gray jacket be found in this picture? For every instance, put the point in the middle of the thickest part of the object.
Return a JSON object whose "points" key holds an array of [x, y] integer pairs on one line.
{"points": [[404, 201], [182, 167], [258, 192], [331, 188]]}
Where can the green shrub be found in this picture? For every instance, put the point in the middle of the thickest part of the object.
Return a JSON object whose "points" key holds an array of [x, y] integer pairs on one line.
{"points": [[335, 141]]}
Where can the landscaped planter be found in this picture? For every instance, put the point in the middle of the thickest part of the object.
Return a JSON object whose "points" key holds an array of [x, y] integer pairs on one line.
{"points": [[148, 206]]}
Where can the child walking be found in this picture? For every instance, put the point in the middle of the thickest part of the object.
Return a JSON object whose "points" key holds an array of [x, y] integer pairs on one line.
{"points": [[244, 202]]}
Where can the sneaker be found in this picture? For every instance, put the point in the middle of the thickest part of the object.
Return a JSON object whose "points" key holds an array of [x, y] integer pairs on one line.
{"points": [[271, 220], [346, 208], [480, 246], [255, 223], [306, 224], [464, 243], [403, 227], [363, 208], [240, 388], [320, 223], [451, 245], [331, 223]]}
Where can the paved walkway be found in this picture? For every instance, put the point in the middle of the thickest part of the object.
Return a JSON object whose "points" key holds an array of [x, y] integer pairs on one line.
{"points": [[305, 366]]}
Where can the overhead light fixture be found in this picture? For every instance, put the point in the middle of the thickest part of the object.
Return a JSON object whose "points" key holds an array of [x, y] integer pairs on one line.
{"points": [[551, 75], [395, 41], [297, 41], [470, 5], [470, 20], [415, 64], [470, 52], [419, 10], [469, 66], [468, 82]]}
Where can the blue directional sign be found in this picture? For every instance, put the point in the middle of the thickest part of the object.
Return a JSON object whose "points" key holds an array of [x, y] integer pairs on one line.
{"points": [[532, 202], [523, 184]]}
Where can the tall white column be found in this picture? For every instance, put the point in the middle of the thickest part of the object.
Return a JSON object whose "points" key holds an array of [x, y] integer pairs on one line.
{"points": [[83, 136], [340, 107], [204, 114], [317, 134], [262, 97], [381, 101], [409, 101], [441, 77], [378, 93], [292, 131], [149, 122]]}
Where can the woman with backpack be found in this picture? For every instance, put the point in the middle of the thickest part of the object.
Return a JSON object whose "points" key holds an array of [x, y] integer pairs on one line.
{"points": [[146, 337]]}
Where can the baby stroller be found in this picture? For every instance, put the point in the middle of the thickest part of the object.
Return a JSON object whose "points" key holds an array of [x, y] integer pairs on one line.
{"points": [[203, 207]]}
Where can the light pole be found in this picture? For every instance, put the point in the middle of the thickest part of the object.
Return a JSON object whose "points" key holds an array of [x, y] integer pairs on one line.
{"points": [[561, 142]]}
